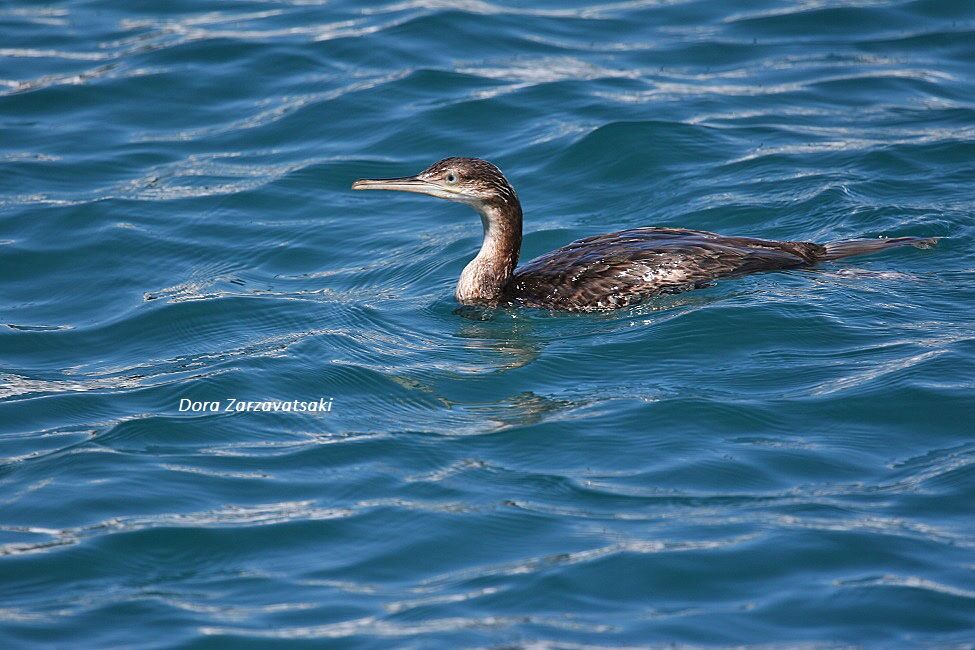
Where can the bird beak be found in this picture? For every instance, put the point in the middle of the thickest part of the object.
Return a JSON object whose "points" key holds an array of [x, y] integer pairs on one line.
{"points": [[404, 184], [407, 184]]}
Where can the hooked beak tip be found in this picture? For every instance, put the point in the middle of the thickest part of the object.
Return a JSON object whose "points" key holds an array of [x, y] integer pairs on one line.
{"points": [[404, 184]]}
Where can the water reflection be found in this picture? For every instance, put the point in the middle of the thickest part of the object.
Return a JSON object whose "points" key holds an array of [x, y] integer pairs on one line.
{"points": [[500, 331]]}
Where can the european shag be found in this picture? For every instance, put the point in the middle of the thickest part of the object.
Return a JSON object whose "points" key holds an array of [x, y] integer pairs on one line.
{"points": [[606, 271]]}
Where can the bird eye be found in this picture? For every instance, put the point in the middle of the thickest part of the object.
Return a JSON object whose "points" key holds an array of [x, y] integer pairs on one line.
{"points": [[451, 177]]}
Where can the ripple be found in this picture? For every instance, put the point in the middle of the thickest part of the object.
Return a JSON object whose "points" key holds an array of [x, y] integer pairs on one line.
{"points": [[907, 582], [24, 52], [717, 468], [229, 516], [381, 628], [856, 380]]}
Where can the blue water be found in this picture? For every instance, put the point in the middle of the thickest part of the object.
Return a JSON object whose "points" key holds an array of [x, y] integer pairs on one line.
{"points": [[781, 459]]}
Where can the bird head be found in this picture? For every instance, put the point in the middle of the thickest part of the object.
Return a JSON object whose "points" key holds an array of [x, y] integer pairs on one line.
{"points": [[472, 181]]}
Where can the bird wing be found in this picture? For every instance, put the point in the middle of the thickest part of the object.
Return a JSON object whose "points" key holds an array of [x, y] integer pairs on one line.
{"points": [[622, 268]]}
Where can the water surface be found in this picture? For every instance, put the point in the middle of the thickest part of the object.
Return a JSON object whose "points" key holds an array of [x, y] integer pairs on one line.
{"points": [[783, 458]]}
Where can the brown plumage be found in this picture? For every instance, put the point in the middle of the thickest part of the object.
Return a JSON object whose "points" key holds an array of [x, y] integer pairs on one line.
{"points": [[606, 271]]}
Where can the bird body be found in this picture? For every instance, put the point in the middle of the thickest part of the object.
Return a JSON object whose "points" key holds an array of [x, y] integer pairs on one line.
{"points": [[624, 268], [607, 271]]}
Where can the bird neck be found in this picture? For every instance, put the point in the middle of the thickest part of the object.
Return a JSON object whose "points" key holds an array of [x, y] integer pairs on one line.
{"points": [[485, 277]]}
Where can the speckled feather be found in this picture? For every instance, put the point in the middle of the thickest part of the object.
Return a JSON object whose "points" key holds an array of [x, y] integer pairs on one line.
{"points": [[623, 268]]}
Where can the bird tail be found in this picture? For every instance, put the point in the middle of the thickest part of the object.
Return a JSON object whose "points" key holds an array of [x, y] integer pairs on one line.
{"points": [[838, 249]]}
